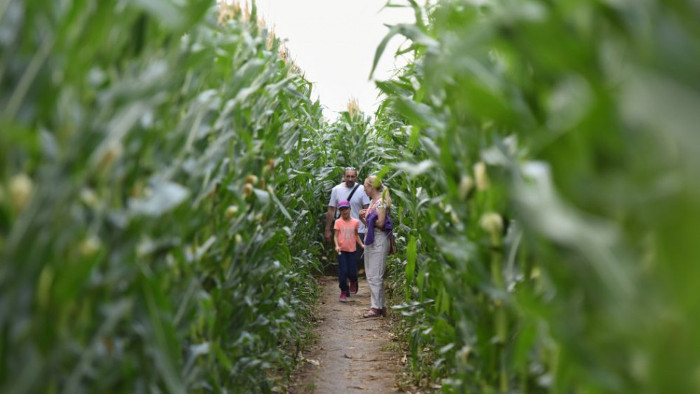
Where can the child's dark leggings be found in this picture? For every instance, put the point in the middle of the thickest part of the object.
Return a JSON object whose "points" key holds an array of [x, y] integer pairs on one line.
{"points": [[347, 269]]}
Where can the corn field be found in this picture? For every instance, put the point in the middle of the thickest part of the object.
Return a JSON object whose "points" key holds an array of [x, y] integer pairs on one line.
{"points": [[164, 174]]}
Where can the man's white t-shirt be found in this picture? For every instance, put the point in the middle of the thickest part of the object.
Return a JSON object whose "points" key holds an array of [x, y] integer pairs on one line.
{"points": [[342, 191]]}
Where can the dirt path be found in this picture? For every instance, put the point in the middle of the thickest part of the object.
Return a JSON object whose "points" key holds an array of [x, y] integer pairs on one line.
{"points": [[352, 353]]}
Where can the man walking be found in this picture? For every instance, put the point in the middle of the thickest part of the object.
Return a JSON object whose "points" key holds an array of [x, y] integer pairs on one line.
{"points": [[353, 192]]}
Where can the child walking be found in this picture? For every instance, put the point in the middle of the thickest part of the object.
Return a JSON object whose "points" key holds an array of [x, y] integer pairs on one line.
{"points": [[346, 241]]}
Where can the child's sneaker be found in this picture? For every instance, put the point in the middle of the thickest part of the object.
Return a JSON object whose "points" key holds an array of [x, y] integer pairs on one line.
{"points": [[343, 297], [353, 287]]}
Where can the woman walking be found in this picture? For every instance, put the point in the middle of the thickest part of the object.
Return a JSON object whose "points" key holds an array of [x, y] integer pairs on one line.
{"points": [[377, 242]]}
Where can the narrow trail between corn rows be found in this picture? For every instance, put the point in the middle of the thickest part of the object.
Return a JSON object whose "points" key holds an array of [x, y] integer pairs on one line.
{"points": [[351, 353]]}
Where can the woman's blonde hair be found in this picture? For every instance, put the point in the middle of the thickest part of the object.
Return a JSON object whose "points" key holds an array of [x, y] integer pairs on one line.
{"points": [[377, 184]]}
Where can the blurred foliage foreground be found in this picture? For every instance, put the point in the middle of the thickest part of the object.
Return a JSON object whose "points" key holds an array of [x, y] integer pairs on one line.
{"points": [[550, 194], [157, 230]]}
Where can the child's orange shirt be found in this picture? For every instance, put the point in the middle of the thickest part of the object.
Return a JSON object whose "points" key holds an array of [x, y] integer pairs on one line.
{"points": [[346, 231]]}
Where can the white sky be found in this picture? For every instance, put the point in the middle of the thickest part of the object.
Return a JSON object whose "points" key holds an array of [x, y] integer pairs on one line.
{"points": [[334, 41]]}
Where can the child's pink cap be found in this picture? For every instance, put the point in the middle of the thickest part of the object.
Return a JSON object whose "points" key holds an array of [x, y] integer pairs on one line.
{"points": [[344, 204]]}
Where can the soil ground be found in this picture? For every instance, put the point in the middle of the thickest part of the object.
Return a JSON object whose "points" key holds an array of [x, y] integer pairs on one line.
{"points": [[351, 354]]}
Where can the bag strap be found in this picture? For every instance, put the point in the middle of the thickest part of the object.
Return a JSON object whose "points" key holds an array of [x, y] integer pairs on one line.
{"points": [[353, 191]]}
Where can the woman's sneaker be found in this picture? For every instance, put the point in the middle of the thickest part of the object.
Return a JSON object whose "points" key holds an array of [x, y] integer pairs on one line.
{"points": [[343, 297], [353, 287]]}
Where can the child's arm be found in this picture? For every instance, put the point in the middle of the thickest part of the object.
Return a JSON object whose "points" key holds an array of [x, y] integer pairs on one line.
{"points": [[335, 239], [357, 237]]}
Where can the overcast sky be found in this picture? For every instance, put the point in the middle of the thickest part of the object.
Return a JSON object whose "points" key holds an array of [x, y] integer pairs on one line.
{"points": [[334, 41]]}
